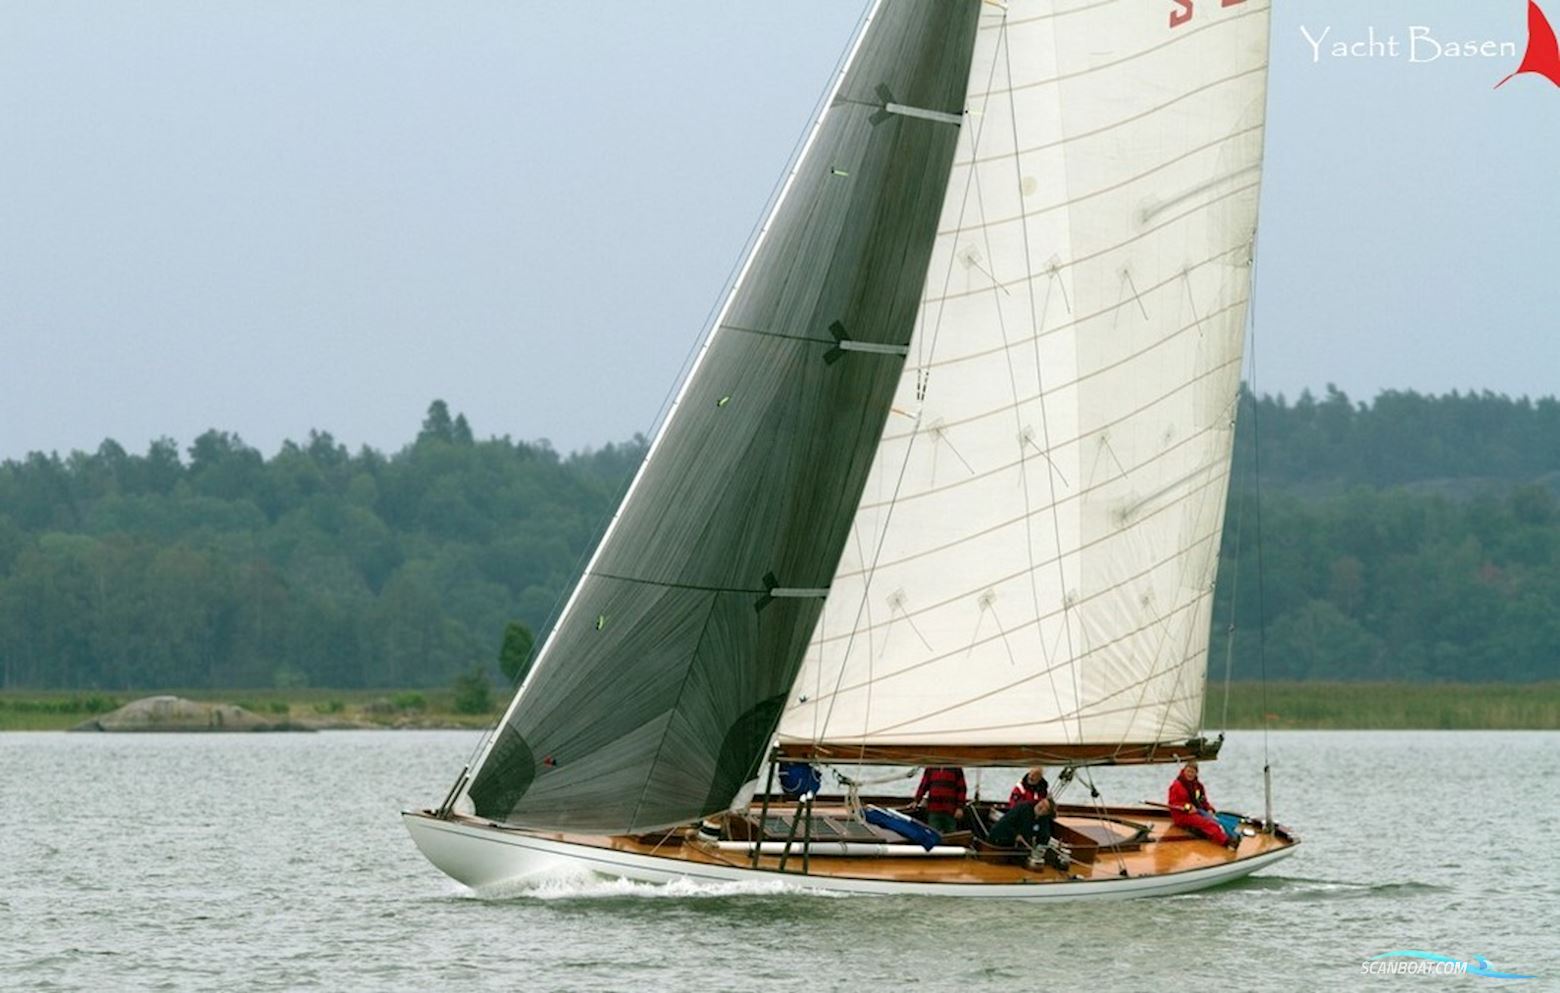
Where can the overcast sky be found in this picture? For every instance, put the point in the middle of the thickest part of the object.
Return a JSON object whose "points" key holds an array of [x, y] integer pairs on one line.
{"points": [[273, 216]]}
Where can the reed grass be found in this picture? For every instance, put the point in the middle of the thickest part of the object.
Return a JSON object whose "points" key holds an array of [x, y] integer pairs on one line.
{"points": [[1320, 706], [43, 710], [1388, 706]]}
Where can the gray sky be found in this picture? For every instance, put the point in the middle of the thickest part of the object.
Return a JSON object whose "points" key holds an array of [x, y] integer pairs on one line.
{"points": [[273, 216]]}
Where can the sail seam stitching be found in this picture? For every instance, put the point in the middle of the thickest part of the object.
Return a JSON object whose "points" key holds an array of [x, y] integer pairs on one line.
{"points": [[1074, 441], [672, 713], [1128, 181], [1054, 390], [846, 345], [683, 586], [1187, 36], [1218, 480], [1037, 620], [1077, 712], [1179, 667], [1089, 712], [1123, 122], [1063, 13], [1146, 232]]}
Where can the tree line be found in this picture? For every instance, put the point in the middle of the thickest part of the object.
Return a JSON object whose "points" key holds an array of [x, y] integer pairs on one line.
{"points": [[317, 566], [1416, 537], [1413, 538]]}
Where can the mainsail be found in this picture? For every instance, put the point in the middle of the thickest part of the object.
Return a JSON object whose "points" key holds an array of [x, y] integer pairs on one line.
{"points": [[1030, 569], [658, 690]]}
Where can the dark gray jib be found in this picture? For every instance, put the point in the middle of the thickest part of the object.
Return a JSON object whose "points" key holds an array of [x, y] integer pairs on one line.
{"points": [[665, 680]]}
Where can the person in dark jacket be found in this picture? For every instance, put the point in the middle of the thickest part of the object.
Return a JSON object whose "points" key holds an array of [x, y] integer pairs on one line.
{"points": [[942, 792], [1190, 808], [1030, 814]]}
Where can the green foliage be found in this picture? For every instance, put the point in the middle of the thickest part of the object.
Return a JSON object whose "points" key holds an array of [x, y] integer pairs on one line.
{"points": [[436, 426], [329, 707], [514, 658], [1415, 538], [1386, 558], [1449, 443], [88, 705], [473, 694], [409, 701], [316, 567], [286, 677], [43, 710], [1461, 706]]}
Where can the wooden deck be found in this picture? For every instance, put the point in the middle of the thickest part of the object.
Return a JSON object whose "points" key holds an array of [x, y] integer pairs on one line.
{"points": [[1130, 841]]}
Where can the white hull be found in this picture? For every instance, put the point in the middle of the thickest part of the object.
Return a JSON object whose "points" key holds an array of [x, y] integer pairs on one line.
{"points": [[482, 856]]}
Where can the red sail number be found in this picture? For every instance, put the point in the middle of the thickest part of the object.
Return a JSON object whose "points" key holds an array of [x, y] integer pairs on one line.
{"points": [[1183, 10]]}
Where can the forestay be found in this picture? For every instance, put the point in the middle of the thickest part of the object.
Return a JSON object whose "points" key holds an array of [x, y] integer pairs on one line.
{"points": [[1032, 561], [659, 688]]}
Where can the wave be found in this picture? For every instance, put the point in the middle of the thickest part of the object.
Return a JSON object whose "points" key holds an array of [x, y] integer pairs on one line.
{"points": [[1310, 888], [576, 884]]}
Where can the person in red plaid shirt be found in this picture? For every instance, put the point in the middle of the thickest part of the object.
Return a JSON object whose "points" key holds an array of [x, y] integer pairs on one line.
{"points": [[942, 791]]}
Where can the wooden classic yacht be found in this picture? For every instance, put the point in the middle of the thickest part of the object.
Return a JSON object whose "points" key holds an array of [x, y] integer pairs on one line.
{"points": [[944, 486], [1099, 852]]}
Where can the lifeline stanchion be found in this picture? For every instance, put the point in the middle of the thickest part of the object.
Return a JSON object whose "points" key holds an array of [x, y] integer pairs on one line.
{"points": [[763, 811]]}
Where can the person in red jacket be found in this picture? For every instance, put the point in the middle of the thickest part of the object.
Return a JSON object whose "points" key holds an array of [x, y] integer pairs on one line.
{"points": [[942, 791], [1030, 812], [1191, 809]]}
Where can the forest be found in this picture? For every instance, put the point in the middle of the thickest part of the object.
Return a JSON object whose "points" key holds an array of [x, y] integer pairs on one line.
{"points": [[1411, 538]]}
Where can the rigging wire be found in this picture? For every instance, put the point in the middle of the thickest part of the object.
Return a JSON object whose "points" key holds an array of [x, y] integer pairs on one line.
{"points": [[1179, 666], [1229, 635], [1036, 322], [1099, 807], [1256, 473]]}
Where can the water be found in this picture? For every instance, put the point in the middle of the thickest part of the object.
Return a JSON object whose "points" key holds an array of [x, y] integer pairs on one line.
{"points": [[277, 862]]}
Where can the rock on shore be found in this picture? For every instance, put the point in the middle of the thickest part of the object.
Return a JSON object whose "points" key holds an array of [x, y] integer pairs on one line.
{"points": [[171, 713]]}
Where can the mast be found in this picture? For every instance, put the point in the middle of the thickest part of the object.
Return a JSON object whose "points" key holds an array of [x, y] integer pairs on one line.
{"points": [[1030, 569], [657, 691]]}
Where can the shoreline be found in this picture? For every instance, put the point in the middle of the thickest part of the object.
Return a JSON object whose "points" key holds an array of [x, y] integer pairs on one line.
{"points": [[1287, 706]]}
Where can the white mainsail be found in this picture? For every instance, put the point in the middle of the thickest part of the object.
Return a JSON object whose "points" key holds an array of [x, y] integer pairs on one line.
{"points": [[1032, 560]]}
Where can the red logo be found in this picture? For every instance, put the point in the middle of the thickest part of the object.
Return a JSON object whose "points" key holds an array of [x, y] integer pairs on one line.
{"points": [[1543, 54], [1184, 10]]}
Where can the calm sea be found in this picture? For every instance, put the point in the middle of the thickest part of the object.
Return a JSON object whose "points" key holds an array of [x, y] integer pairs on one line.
{"points": [[277, 862]]}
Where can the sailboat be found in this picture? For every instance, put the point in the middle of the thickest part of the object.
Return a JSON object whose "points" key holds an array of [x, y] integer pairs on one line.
{"points": [[944, 485]]}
